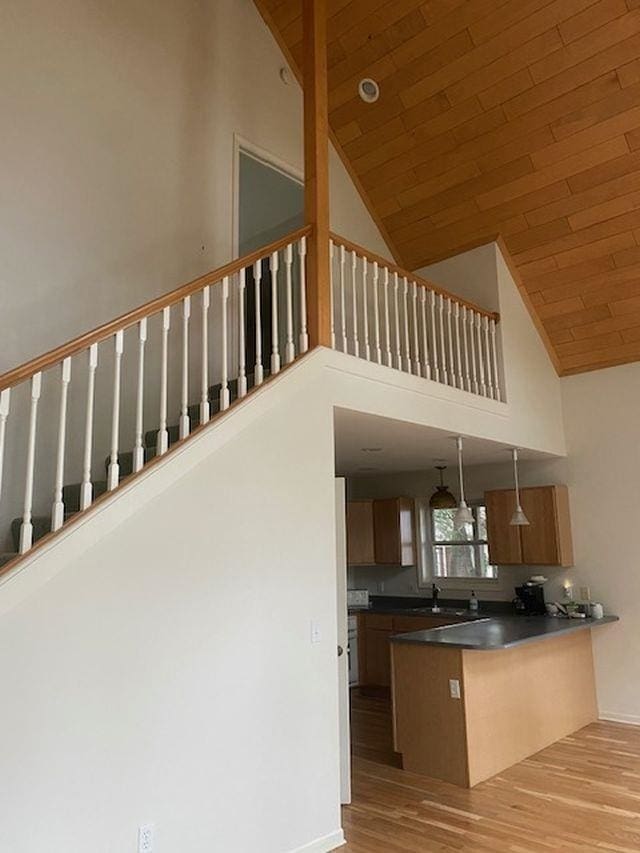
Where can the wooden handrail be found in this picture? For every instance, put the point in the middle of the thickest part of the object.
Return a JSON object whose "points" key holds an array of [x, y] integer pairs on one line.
{"points": [[422, 282], [83, 342]]}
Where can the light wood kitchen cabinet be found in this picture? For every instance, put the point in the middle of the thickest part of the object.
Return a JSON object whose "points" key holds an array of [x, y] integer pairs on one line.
{"points": [[360, 533], [374, 647], [381, 532], [393, 532], [546, 541]]}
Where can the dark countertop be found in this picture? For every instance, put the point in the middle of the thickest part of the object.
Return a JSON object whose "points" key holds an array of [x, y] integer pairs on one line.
{"points": [[499, 632], [414, 606]]}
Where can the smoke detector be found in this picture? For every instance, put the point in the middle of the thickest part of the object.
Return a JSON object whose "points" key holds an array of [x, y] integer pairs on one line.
{"points": [[368, 90]]}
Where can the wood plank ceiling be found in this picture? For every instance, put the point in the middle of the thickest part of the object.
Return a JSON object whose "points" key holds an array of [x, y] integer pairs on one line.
{"points": [[511, 118]]}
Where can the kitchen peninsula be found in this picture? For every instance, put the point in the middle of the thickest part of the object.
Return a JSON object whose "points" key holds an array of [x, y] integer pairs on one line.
{"points": [[470, 700]]}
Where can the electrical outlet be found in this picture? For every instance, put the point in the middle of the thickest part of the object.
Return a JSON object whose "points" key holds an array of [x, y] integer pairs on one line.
{"points": [[585, 593], [145, 838], [454, 688], [567, 591]]}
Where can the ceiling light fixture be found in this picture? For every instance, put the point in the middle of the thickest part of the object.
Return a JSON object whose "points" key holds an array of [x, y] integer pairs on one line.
{"points": [[368, 90], [442, 497], [518, 519], [464, 515]]}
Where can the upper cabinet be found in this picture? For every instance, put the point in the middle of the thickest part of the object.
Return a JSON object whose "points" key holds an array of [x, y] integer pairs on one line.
{"points": [[381, 532], [546, 541], [360, 533]]}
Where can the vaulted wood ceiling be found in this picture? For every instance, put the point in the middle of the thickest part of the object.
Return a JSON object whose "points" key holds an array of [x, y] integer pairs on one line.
{"points": [[511, 118]]}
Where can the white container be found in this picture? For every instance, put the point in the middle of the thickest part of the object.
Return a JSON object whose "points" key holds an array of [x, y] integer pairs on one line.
{"points": [[597, 611]]}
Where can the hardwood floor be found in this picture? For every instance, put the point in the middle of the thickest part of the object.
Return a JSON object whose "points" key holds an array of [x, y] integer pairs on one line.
{"points": [[581, 794]]}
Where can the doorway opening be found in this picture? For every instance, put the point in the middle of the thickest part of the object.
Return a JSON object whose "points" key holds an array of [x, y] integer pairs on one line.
{"points": [[269, 204]]}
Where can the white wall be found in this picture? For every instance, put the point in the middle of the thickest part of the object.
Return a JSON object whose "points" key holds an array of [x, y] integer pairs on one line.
{"points": [[117, 153], [532, 385], [157, 665]]}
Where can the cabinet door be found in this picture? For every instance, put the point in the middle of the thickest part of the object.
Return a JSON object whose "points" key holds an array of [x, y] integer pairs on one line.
{"points": [[504, 540], [393, 527], [360, 549], [547, 539], [378, 658]]}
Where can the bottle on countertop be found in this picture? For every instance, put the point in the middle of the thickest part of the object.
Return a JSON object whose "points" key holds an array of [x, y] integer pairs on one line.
{"points": [[473, 602]]}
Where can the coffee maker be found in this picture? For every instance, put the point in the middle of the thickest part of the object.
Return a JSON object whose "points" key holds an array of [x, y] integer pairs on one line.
{"points": [[529, 600]]}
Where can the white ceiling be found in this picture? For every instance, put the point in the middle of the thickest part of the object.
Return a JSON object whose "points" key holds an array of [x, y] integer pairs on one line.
{"points": [[368, 444]]}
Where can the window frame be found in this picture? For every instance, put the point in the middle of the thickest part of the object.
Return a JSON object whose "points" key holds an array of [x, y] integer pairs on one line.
{"points": [[426, 576]]}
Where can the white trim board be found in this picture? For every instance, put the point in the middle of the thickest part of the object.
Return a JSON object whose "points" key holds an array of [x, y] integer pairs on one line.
{"points": [[323, 845], [613, 717]]}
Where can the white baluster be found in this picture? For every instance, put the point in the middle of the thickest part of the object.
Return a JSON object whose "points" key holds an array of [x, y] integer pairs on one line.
{"points": [[388, 360], [86, 492], [113, 472], [465, 349], [274, 265], [57, 511], [487, 355], [494, 359], [376, 314], [257, 277], [184, 425], [434, 338], [5, 397], [26, 530], [332, 287], [456, 326], [405, 306], [138, 450], [162, 444], [426, 363], [452, 364], [343, 305], [304, 335], [289, 349], [242, 355], [416, 340], [443, 349], [354, 296], [483, 386], [472, 347], [396, 317], [205, 406], [365, 308], [224, 386]]}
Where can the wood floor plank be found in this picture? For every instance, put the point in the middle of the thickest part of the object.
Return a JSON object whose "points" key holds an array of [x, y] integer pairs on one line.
{"points": [[581, 794]]}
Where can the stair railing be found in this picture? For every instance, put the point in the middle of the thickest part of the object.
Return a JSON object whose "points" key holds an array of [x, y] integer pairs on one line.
{"points": [[215, 356], [384, 314]]}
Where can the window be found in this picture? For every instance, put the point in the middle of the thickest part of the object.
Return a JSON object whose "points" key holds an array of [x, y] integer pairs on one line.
{"points": [[450, 553]]}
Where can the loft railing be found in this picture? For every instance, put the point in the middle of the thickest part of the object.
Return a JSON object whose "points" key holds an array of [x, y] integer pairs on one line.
{"points": [[384, 314], [189, 354], [115, 398]]}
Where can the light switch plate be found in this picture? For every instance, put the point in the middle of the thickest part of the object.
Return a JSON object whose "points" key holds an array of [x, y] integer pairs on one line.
{"points": [[454, 688], [316, 633]]}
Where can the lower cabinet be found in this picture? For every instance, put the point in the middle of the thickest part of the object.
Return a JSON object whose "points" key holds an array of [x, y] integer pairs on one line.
{"points": [[374, 649]]}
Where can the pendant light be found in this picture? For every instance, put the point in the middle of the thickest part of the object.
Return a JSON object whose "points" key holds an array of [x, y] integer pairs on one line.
{"points": [[518, 519], [442, 497], [463, 515]]}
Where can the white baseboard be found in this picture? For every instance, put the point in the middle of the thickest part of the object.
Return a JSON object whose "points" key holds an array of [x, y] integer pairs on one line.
{"points": [[323, 845], [629, 719]]}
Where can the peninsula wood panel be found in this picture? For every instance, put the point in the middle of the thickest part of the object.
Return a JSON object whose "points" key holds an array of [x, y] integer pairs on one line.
{"points": [[500, 118]]}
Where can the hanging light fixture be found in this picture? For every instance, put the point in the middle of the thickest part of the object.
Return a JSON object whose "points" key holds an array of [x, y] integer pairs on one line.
{"points": [[463, 515], [442, 497], [518, 519]]}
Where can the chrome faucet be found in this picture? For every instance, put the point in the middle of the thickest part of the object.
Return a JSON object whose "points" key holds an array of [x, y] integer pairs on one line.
{"points": [[435, 592]]}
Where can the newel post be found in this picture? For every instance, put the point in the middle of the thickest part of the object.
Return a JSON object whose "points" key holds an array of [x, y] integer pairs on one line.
{"points": [[316, 171]]}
